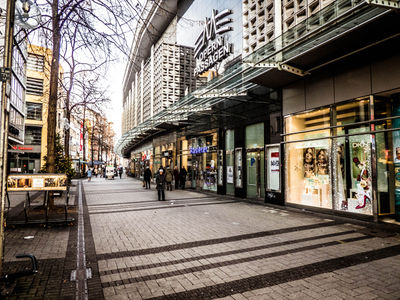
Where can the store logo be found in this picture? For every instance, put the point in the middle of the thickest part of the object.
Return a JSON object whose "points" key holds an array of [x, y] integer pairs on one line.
{"points": [[198, 150], [211, 46]]}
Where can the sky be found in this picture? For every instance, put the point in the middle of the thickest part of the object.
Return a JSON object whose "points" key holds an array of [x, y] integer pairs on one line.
{"points": [[114, 111]]}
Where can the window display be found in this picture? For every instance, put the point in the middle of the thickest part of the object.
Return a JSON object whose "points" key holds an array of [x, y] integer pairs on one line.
{"points": [[307, 162]]}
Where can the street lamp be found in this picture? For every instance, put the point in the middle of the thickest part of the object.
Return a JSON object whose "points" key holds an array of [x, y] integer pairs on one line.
{"points": [[25, 14]]}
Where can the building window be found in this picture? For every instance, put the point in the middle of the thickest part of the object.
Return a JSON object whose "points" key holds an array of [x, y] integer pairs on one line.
{"points": [[34, 86], [33, 135], [35, 62], [34, 111]]}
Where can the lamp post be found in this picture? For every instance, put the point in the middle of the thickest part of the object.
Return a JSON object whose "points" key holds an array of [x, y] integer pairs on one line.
{"points": [[8, 46], [24, 20]]}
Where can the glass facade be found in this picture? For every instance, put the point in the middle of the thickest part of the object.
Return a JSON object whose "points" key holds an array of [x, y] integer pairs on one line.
{"points": [[190, 23], [340, 157], [203, 169]]}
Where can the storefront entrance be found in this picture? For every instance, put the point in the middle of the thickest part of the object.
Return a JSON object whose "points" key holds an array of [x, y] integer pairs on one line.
{"points": [[255, 173], [255, 161]]}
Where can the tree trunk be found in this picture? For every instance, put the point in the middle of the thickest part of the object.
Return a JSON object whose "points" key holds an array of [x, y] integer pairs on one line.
{"points": [[67, 135], [53, 96]]}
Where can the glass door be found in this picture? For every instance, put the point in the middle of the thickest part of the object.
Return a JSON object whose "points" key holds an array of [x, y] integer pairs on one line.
{"points": [[255, 174]]}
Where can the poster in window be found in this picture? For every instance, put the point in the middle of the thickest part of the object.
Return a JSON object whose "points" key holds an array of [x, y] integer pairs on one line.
{"points": [[309, 162], [322, 162], [361, 177], [238, 159], [229, 174]]}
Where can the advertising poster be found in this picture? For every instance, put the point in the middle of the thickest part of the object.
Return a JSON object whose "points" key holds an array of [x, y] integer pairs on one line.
{"points": [[229, 174], [238, 159], [309, 162], [273, 168]]}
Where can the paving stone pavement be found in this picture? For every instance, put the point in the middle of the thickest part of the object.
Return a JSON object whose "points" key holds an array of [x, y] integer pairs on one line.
{"points": [[204, 246]]}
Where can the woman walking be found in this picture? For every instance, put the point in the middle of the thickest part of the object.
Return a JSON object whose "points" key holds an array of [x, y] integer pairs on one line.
{"points": [[89, 175]]}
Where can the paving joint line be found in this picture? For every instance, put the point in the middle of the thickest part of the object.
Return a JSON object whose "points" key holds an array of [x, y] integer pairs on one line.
{"points": [[213, 241], [225, 253], [234, 261], [278, 277]]}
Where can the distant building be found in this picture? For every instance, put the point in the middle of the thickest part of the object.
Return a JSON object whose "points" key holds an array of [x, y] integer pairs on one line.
{"points": [[29, 157]]}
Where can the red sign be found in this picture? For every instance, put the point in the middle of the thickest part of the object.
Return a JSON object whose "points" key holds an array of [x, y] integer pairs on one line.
{"points": [[22, 148], [274, 154]]}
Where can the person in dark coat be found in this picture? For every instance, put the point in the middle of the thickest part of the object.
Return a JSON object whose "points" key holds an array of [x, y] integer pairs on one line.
{"points": [[182, 176], [147, 177], [168, 178], [160, 182], [120, 172], [176, 177]]}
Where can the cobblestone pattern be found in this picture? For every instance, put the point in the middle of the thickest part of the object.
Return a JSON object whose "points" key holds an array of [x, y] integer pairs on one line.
{"points": [[231, 250]]}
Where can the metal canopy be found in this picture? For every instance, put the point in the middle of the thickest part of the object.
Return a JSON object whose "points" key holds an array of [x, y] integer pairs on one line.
{"points": [[330, 23]]}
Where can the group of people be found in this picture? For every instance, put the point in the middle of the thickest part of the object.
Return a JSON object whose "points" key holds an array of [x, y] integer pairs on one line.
{"points": [[164, 178], [102, 172]]}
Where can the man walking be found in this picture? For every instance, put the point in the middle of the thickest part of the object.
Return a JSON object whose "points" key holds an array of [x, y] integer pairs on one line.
{"points": [[176, 177], [120, 172], [168, 178], [182, 175], [147, 177], [160, 182]]}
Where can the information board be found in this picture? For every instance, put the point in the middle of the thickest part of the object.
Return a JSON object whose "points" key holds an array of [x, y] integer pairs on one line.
{"points": [[37, 182]]}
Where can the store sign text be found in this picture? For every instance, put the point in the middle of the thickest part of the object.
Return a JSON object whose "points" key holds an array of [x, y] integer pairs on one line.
{"points": [[198, 150], [22, 148], [211, 47]]}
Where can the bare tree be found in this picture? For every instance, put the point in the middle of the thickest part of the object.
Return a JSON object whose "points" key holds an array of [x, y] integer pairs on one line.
{"points": [[92, 29]]}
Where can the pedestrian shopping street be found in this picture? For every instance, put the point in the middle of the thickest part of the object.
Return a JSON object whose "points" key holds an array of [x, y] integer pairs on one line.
{"points": [[127, 245]]}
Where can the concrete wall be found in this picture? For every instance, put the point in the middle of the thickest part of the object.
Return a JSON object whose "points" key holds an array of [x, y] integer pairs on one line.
{"points": [[341, 83]]}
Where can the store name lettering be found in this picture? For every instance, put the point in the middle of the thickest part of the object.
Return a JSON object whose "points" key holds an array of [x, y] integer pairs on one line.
{"points": [[211, 47], [198, 150]]}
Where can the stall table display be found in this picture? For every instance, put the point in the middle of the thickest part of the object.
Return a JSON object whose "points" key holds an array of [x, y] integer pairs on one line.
{"points": [[56, 183]]}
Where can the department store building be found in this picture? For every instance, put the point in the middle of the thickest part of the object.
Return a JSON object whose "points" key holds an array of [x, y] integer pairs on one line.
{"points": [[300, 106]]}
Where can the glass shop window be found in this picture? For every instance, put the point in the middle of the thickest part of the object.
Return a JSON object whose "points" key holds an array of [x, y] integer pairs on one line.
{"points": [[307, 161]]}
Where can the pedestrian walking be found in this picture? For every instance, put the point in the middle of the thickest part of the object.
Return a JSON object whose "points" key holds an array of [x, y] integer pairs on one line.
{"points": [[168, 178], [147, 177], [160, 184], [176, 177], [182, 177], [120, 172], [89, 174]]}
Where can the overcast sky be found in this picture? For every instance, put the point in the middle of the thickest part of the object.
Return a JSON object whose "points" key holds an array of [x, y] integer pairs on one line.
{"points": [[114, 110]]}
